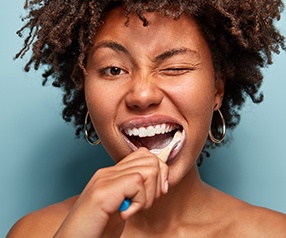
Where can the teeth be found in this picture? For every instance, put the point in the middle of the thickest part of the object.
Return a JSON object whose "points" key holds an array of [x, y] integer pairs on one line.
{"points": [[143, 132], [150, 130]]}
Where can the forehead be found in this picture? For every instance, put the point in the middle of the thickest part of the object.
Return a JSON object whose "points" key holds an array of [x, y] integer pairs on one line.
{"points": [[160, 33]]}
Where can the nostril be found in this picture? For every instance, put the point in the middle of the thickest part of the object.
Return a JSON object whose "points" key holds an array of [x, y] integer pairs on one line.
{"points": [[144, 98]]}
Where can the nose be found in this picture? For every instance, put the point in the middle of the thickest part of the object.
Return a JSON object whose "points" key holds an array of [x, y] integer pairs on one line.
{"points": [[143, 94]]}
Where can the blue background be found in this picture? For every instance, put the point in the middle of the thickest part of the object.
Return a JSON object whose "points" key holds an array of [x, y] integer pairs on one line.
{"points": [[41, 161]]}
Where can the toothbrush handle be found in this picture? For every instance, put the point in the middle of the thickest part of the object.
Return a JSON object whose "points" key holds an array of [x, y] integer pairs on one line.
{"points": [[124, 205]]}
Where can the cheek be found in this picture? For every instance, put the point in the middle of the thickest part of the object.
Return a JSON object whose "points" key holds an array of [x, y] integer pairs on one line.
{"points": [[100, 104], [196, 105], [195, 99]]}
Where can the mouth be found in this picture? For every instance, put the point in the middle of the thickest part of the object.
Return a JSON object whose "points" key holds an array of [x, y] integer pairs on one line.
{"points": [[152, 137]]}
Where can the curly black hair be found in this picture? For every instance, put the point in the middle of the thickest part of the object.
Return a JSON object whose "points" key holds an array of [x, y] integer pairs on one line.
{"points": [[240, 33]]}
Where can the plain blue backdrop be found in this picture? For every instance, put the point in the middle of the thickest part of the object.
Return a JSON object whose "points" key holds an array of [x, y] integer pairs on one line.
{"points": [[41, 161]]}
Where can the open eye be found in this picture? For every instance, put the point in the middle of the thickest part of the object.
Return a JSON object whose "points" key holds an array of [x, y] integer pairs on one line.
{"points": [[112, 71]]}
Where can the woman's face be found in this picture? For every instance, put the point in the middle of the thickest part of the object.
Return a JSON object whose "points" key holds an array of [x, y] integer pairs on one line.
{"points": [[143, 82]]}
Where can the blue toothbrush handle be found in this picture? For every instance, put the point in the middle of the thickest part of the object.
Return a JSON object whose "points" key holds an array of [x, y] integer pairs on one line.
{"points": [[125, 204]]}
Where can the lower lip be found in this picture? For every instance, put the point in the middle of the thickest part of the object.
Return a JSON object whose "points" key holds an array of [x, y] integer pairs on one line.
{"points": [[131, 145], [176, 150]]}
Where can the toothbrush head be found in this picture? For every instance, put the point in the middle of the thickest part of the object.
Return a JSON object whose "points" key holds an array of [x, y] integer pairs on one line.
{"points": [[164, 153]]}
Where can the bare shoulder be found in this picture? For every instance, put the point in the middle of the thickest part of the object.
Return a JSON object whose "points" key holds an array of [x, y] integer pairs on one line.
{"points": [[253, 221], [42, 223], [262, 222], [241, 219]]}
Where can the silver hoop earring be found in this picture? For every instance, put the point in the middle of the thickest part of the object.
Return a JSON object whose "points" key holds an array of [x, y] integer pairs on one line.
{"points": [[219, 140], [87, 137]]}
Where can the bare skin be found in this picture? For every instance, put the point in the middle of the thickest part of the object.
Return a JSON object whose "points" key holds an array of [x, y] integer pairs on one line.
{"points": [[244, 220], [138, 77]]}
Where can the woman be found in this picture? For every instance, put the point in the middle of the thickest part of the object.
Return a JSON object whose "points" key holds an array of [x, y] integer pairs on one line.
{"points": [[140, 72]]}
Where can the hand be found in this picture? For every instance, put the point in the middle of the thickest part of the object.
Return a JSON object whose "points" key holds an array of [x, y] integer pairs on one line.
{"points": [[140, 176]]}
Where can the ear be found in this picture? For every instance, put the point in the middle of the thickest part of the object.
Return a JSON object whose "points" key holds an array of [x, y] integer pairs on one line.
{"points": [[219, 93]]}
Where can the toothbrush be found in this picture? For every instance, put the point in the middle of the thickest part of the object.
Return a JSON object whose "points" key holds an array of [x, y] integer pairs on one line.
{"points": [[163, 156], [164, 153]]}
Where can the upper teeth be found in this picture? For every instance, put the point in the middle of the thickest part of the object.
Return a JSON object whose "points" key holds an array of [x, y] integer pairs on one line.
{"points": [[150, 130]]}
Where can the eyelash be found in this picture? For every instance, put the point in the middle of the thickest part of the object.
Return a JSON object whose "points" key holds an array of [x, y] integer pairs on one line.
{"points": [[176, 71], [107, 71], [104, 71]]}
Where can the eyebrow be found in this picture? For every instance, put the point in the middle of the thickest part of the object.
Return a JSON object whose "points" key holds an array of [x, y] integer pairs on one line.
{"points": [[170, 53], [159, 58], [112, 45]]}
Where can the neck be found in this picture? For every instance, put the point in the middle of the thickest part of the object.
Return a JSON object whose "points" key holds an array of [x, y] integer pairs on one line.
{"points": [[184, 201]]}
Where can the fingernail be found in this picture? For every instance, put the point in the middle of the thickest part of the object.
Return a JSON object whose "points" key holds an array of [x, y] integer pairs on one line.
{"points": [[166, 187]]}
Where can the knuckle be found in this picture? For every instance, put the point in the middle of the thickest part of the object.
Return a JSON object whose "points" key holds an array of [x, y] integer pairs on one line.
{"points": [[100, 173], [98, 194], [137, 179], [99, 177], [153, 172], [142, 151], [152, 161]]}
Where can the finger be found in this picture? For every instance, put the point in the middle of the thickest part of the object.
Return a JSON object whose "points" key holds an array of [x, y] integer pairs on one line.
{"points": [[151, 181], [143, 156], [109, 194], [164, 169], [148, 159], [136, 191], [153, 173], [139, 153], [133, 209]]}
